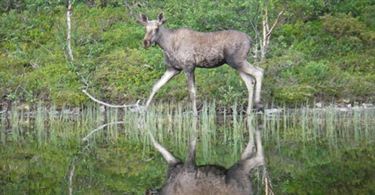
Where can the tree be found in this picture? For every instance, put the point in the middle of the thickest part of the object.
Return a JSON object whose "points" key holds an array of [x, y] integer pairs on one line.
{"points": [[263, 34]]}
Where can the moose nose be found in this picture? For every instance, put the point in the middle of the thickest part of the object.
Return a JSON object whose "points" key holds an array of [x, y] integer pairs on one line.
{"points": [[146, 43]]}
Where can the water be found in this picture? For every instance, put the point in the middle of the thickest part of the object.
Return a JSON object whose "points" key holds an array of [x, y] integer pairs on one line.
{"points": [[307, 151]]}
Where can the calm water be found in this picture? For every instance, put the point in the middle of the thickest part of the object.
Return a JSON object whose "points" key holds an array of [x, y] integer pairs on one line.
{"points": [[307, 151]]}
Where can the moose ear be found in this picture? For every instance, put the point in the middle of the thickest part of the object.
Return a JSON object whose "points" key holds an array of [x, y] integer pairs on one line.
{"points": [[161, 18], [143, 20]]}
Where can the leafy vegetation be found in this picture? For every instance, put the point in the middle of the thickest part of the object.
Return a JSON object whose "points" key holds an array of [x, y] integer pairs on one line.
{"points": [[320, 50]]}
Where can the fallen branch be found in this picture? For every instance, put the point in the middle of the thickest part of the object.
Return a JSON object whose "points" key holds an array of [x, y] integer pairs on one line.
{"points": [[136, 105]]}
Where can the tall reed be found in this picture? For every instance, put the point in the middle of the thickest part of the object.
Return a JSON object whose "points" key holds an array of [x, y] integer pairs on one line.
{"points": [[172, 125]]}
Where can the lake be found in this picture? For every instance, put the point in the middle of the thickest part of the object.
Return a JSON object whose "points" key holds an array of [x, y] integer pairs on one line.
{"points": [[88, 150]]}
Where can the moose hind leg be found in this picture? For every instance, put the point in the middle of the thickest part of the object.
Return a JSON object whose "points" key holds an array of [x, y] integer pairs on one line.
{"points": [[257, 73], [249, 82]]}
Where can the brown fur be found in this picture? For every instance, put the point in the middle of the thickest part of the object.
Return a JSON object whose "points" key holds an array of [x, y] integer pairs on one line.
{"points": [[186, 49]]}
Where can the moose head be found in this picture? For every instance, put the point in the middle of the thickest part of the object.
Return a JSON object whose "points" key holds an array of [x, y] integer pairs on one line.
{"points": [[152, 28]]}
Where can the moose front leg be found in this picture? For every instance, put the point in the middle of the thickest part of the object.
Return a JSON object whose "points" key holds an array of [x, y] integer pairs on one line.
{"points": [[168, 75]]}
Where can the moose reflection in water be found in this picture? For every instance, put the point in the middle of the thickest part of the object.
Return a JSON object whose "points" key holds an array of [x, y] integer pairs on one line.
{"points": [[188, 178], [186, 49]]}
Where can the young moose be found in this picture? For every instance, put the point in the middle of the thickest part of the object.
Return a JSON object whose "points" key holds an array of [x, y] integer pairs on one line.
{"points": [[185, 49], [187, 178]]}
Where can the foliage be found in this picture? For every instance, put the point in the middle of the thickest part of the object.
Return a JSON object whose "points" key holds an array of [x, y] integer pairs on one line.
{"points": [[115, 75], [320, 50]]}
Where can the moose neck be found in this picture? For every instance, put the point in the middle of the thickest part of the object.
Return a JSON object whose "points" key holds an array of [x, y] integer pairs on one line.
{"points": [[165, 38]]}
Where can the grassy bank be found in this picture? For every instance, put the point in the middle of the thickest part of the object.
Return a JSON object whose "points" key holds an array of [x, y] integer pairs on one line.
{"points": [[321, 52]]}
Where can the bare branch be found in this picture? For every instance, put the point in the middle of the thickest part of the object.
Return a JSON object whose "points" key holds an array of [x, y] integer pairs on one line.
{"points": [[274, 24], [68, 14], [265, 16]]}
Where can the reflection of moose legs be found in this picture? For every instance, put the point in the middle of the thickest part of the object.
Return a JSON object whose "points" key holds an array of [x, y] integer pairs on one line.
{"points": [[247, 155], [187, 178]]}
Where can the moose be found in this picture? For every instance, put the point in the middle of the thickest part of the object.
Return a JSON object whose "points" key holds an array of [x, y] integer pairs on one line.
{"points": [[188, 178], [186, 49]]}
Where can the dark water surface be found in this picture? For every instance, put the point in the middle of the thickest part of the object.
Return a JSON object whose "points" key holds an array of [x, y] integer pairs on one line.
{"points": [[307, 152]]}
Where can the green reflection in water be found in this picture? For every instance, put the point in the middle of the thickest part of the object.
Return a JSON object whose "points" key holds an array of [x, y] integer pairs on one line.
{"points": [[308, 151]]}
